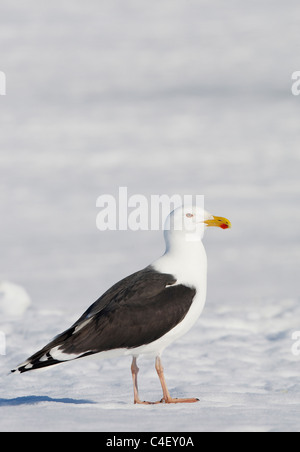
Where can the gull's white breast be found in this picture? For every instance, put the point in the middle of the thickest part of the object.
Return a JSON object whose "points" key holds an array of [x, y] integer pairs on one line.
{"points": [[192, 272]]}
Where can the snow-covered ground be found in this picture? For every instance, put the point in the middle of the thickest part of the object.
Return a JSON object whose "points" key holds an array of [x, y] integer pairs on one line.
{"points": [[162, 97]]}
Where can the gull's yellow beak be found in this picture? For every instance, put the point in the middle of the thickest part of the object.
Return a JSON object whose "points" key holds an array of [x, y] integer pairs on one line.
{"points": [[218, 222]]}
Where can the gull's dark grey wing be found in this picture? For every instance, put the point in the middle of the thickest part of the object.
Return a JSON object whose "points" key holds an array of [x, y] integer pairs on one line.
{"points": [[136, 311]]}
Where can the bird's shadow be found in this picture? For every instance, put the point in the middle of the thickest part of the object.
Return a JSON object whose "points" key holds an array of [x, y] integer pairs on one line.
{"points": [[33, 400]]}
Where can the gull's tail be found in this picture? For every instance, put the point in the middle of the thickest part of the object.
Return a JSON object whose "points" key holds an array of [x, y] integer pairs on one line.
{"points": [[49, 355]]}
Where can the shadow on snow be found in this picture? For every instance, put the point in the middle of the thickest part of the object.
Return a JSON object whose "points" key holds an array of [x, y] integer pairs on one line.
{"points": [[32, 400]]}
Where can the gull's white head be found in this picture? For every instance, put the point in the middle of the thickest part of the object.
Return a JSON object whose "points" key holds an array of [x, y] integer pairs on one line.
{"points": [[188, 223]]}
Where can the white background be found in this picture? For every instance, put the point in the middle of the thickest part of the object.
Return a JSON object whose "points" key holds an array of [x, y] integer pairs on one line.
{"points": [[169, 96]]}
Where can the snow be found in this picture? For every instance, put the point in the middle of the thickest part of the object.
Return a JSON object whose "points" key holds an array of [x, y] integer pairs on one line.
{"points": [[168, 97], [14, 300]]}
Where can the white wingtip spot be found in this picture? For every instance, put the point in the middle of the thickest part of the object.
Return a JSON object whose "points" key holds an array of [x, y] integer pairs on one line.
{"points": [[59, 355]]}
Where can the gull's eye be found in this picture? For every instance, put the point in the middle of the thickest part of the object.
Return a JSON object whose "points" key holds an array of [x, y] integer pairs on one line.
{"points": [[189, 215]]}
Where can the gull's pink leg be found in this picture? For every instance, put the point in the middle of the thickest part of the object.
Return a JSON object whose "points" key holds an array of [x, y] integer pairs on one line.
{"points": [[134, 372], [166, 395]]}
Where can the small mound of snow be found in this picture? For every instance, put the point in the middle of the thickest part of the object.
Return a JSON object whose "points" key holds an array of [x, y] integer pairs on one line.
{"points": [[14, 300]]}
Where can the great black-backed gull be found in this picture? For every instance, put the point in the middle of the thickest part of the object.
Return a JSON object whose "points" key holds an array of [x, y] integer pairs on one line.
{"points": [[145, 312]]}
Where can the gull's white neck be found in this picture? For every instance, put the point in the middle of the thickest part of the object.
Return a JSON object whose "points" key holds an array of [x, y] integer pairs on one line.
{"points": [[186, 261], [185, 258]]}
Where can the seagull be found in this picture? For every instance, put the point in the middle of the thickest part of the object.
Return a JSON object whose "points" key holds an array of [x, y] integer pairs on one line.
{"points": [[145, 312]]}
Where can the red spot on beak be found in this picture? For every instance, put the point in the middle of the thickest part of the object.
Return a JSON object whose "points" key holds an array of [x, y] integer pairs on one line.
{"points": [[224, 226]]}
